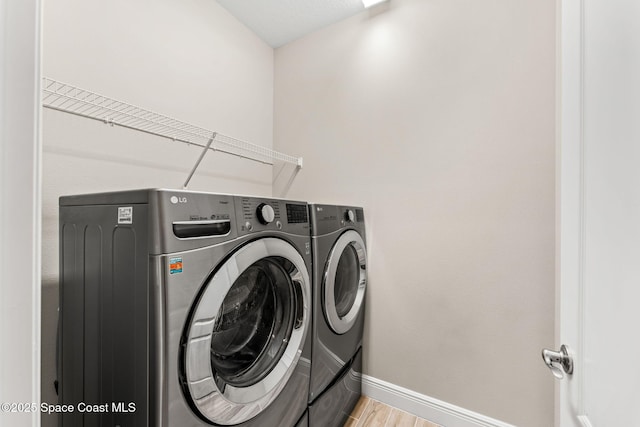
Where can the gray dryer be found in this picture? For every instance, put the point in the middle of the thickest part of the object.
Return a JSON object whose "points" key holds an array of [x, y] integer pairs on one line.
{"points": [[339, 285]]}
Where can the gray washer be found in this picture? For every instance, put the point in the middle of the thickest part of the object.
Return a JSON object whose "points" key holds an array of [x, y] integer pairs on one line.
{"points": [[339, 287], [184, 309]]}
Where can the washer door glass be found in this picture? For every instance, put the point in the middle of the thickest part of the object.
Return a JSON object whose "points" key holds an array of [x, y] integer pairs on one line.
{"points": [[345, 281], [254, 323], [246, 332]]}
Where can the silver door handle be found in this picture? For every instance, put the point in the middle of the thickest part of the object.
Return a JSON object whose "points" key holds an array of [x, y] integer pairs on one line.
{"points": [[560, 362]]}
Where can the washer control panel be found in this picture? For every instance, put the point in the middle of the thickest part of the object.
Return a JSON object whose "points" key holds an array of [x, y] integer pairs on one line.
{"points": [[257, 214]]}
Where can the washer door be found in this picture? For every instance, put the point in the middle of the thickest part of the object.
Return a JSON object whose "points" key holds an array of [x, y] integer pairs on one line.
{"points": [[246, 332], [345, 281]]}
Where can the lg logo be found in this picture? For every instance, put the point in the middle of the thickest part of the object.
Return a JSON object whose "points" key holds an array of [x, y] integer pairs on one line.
{"points": [[176, 199]]}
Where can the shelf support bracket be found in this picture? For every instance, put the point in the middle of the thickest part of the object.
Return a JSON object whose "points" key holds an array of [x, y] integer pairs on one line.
{"points": [[204, 151]]}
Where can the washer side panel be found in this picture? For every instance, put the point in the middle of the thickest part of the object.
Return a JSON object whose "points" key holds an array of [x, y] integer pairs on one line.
{"points": [[104, 327]]}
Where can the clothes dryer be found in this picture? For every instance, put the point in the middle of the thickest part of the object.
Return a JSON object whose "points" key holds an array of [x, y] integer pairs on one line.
{"points": [[184, 309], [339, 285]]}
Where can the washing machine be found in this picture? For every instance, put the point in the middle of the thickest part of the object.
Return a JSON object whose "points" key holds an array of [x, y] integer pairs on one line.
{"points": [[184, 309], [339, 285]]}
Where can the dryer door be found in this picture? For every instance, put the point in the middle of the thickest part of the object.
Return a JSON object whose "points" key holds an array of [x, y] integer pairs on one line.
{"points": [[345, 281], [246, 332]]}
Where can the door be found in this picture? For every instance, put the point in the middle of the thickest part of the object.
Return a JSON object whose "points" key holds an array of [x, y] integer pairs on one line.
{"points": [[246, 332], [599, 211], [345, 281]]}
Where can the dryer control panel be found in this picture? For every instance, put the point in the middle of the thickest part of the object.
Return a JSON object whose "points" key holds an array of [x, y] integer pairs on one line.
{"points": [[329, 218]]}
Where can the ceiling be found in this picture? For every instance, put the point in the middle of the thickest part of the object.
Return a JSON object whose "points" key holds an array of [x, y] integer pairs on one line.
{"points": [[279, 22]]}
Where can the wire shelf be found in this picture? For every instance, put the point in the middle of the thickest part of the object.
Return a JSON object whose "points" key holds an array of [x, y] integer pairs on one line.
{"points": [[70, 99]]}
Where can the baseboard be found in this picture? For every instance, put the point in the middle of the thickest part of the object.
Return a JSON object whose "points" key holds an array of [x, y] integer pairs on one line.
{"points": [[443, 413]]}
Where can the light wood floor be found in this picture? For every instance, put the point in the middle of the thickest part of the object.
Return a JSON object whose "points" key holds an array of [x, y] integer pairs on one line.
{"points": [[371, 413]]}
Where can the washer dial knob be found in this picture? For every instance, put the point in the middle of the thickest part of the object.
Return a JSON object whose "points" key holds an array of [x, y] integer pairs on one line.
{"points": [[350, 216], [265, 213]]}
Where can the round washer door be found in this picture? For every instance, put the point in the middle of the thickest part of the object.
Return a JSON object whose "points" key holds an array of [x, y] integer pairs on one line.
{"points": [[246, 332], [345, 281]]}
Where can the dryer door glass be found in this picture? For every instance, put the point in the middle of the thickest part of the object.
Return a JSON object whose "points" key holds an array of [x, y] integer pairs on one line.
{"points": [[246, 331], [345, 281], [346, 286]]}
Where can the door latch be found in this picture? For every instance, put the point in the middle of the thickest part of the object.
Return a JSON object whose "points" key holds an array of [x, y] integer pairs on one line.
{"points": [[560, 362]]}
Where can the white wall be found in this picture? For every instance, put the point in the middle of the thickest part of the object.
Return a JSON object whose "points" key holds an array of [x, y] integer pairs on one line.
{"points": [[190, 60], [438, 117], [19, 209]]}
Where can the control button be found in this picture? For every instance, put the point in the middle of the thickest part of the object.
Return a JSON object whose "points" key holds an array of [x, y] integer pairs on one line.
{"points": [[265, 213], [350, 216], [279, 225], [248, 226]]}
